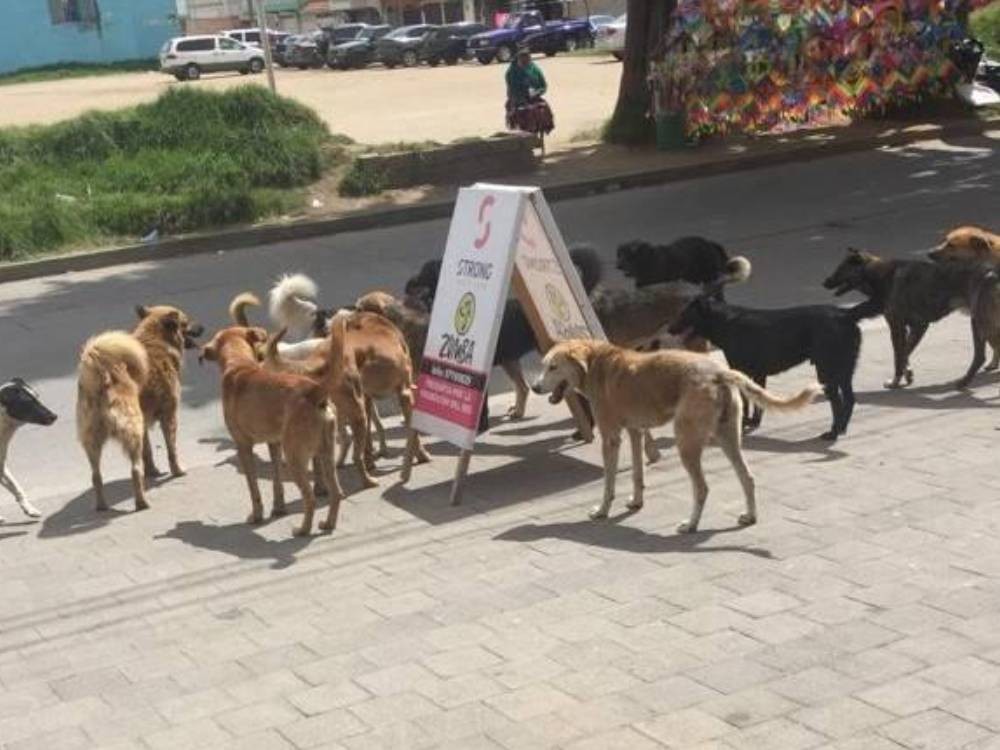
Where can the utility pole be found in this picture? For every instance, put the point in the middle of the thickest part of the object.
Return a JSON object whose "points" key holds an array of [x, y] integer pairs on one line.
{"points": [[265, 42]]}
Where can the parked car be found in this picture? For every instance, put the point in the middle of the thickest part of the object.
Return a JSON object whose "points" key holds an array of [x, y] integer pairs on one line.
{"points": [[577, 33], [251, 37], [527, 28], [279, 51], [611, 38], [187, 57], [403, 46], [306, 51], [357, 53], [450, 43], [599, 22], [348, 32]]}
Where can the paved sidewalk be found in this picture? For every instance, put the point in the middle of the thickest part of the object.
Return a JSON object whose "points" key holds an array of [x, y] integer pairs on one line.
{"points": [[862, 612]]}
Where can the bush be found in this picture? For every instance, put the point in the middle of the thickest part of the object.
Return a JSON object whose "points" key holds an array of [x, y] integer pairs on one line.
{"points": [[360, 180], [985, 25], [189, 160]]}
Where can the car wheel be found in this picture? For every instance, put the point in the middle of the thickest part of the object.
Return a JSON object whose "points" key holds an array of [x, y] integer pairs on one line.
{"points": [[451, 60], [256, 65], [410, 59], [303, 67], [550, 53], [485, 59], [192, 72], [619, 56], [244, 71], [505, 54], [180, 76], [390, 65], [572, 44], [434, 61]]}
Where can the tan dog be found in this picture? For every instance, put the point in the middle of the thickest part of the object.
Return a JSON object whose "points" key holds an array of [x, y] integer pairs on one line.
{"points": [[969, 244], [291, 413], [127, 383], [634, 391]]}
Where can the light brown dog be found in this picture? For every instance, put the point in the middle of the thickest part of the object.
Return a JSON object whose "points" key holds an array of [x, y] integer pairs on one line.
{"points": [[635, 391], [969, 244], [291, 413], [127, 383]]}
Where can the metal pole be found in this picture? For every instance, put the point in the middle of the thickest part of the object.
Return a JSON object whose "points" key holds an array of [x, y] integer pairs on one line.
{"points": [[265, 42]]}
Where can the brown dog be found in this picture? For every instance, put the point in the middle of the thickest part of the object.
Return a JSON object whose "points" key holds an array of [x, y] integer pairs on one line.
{"points": [[291, 413], [969, 244], [634, 391], [128, 383]]}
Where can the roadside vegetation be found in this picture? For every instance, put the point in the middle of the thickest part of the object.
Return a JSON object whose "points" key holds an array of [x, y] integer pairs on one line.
{"points": [[59, 71], [191, 160], [985, 24]]}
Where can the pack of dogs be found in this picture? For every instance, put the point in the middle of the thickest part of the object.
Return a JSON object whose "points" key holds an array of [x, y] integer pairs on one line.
{"points": [[309, 386]]}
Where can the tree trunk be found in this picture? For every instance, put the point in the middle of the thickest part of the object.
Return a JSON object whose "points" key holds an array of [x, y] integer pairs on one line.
{"points": [[631, 122]]}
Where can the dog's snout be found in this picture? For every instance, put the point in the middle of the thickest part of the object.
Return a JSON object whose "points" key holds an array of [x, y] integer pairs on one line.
{"points": [[196, 330]]}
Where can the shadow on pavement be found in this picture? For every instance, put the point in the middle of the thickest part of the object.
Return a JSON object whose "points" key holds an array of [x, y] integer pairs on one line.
{"points": [[79, 516], [921, 397], [763, 444], [539, 474], [612, 535], [11, 534], [242, 540]]}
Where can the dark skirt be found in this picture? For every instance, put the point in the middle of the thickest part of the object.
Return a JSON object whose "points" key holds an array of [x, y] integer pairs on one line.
{"points": [[531, 117]]}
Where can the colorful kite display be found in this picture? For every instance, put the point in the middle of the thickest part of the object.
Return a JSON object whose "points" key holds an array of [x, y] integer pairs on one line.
{"points": [[760, 65]]}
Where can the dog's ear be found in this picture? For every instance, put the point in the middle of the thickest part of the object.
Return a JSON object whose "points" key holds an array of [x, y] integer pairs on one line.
{"points": [[256, 336], [172, 320], [979, 244], [141, 311]]}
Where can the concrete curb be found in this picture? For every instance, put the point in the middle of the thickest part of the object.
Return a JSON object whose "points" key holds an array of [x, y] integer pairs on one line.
{"points": [[235, 239]]}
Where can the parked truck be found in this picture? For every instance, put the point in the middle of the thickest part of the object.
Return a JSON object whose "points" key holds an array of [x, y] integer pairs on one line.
{"points": [[528, 29]]}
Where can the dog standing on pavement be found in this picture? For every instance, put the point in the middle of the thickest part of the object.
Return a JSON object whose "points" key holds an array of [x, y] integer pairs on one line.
{"points": [[691, 259], [635, 391], [127, 383], [19, 405], [911, 295], [291, 413]]}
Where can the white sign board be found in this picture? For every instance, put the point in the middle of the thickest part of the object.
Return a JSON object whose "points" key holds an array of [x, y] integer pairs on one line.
{"points": [[496, 232]]}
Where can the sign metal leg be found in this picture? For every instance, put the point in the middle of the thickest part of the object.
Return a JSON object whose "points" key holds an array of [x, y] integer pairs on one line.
{"points": [[460, 473]]}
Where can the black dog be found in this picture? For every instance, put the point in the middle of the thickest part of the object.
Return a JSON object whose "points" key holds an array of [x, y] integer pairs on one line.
{"points": [[691, 259], [911, 294], [767, 342], [19, 405]]}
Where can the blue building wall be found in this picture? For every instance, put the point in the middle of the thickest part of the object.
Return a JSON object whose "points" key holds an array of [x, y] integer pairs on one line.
{"points": [[129, 30]]}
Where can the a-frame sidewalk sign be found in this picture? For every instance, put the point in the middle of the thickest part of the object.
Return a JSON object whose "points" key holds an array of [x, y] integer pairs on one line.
{"points": [[501, 237]]}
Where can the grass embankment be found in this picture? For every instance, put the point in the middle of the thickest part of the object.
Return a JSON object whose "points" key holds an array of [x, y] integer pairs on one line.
{"points": [[190, 160], [58, 71], [985, 25]]}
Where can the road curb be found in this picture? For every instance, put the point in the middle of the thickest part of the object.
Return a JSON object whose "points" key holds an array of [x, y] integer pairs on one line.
{"points": [[227, 240]]}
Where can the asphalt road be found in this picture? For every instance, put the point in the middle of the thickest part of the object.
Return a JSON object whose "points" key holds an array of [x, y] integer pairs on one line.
{"points": [[794, 223]]}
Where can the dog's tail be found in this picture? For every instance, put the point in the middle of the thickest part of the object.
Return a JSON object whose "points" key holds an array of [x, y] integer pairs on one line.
{"points": [[238, 308], [338, 363], [293, 302], [588, 265], [764, 398], [110, 358], [738, 270]]}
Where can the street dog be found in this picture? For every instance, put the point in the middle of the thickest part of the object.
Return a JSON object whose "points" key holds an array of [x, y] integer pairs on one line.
{"points": [[19, 405], [911, 294], [635, 391], [768, 342], [695, 260], [377, 366], [293, 305], [127, 383], [291, 413], [972, 244]]}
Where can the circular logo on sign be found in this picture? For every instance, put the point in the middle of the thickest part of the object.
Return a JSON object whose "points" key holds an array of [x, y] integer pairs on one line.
{"points": [[465, 313], [557, 303]]}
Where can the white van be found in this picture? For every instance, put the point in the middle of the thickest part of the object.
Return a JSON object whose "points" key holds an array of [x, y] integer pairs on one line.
{"points": [[187, 57], [252, 37]]}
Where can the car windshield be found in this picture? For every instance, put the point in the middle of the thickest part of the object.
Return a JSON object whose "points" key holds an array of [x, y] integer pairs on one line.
{"points": [[512, 22], [406, 32], [621, 19]]}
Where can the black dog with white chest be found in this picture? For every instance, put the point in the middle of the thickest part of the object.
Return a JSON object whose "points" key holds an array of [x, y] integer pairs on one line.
{"points": [[767, 342], [19, 405]]}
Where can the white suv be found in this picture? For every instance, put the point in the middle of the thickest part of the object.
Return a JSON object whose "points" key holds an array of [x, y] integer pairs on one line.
{"points": [[187, 57]]}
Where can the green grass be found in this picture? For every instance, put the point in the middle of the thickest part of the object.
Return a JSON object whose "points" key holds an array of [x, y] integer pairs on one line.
{"points": [[985, 24], [192, 159], [58, 71]]}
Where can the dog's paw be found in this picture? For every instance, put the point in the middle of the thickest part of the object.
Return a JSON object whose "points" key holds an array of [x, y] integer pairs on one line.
{"points": [[515, 413], [635, 503], [152, 471], [992, 366], [423, 458], [653, 455], [961, 384], [599, 511], [686, 527], [746, 519], [369, 482], [830, 436], [30, 510], [893, 384], [301, 531], [100, 506], [326, 526], [178, 471], [141, 505], [908, 377], [255, 519]]}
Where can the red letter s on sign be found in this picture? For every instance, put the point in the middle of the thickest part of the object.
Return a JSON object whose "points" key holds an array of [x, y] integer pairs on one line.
{"points": [[484, 236]]}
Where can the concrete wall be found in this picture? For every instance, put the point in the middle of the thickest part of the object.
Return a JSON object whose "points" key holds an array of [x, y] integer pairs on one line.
{"points": [[128, 30]]}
